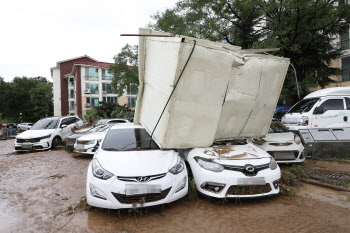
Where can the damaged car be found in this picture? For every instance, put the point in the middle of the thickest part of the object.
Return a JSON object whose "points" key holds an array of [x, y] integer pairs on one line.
{"points": [[71, 139], [283, 145], [129, 170], [47, 133], [89, 143], [239, 170]]}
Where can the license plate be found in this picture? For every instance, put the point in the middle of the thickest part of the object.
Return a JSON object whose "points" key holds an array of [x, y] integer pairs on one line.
{"points": [[27, 146], [251, 181], [134, 189], [283, 155], [79, 147]]}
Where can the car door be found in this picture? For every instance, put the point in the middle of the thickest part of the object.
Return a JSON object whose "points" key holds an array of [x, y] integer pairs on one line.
{"points": [[330, 113], [347, 109], [65, 132]]}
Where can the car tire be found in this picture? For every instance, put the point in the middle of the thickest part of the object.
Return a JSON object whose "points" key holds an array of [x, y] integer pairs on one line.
{"points": [[56, 141]]}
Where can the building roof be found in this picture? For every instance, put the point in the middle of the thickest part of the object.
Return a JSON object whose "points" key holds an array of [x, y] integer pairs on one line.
{"points": [[77, 58], [93, 64]]}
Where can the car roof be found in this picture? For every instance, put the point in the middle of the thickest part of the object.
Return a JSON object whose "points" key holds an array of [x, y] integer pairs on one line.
{"points": [[127, 126]]}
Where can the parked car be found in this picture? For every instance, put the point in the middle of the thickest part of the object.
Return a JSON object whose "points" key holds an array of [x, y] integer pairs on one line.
{"points": [[240, 170], [112, 121], [71, 139], [47, 133], [129, 170], [89, 143], [283, 145], [326, 108], [24, 126]]}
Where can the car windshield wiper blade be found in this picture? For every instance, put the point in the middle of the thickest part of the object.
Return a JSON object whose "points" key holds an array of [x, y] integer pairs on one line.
{"points": [[109, 149]]}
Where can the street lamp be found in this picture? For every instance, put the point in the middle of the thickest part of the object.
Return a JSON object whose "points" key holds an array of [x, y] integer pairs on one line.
{"points": [[20, 116], [296, 80]]}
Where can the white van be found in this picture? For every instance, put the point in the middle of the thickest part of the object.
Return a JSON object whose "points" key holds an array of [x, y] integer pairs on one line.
{"points": [[326, 108]]}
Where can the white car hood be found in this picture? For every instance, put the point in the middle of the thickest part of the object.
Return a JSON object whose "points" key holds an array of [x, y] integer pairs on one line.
{"points": [[92, 136], [35, 133], [137, 163], [279, 137], [233, 152]]}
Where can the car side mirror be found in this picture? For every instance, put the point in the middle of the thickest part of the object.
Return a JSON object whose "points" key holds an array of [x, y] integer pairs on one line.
{"points": [[319, 110], [63, 126]]}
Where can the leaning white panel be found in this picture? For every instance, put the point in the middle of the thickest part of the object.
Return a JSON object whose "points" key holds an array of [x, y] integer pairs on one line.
{"points": [[221, 94]]}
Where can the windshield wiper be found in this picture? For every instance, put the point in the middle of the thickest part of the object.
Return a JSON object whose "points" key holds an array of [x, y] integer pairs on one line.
{"points": [[109, 149]]}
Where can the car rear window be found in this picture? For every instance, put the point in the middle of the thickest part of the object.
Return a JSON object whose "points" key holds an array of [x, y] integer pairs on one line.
{"points": [[128, 139]]}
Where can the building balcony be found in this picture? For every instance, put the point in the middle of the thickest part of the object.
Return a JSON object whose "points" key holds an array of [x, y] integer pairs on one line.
{"points": [[107, 77], [91, 78], [345, 77], [344, 45]]}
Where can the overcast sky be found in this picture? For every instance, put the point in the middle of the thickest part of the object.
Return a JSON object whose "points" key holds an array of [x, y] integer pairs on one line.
{"points": [[35, 34]]}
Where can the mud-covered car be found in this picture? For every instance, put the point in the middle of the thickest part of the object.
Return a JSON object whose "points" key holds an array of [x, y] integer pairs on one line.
{"points": [[129, 170], [280, 143], [71, 139], [47, 133], [234, 171]]}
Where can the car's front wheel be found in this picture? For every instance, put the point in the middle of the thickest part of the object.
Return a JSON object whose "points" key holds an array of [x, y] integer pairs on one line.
{"points": [[56, 142]]}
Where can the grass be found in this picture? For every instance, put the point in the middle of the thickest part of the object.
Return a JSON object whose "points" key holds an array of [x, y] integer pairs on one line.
{"points": [[192, 191], [82, 205], [337, 160], [291, 178]]}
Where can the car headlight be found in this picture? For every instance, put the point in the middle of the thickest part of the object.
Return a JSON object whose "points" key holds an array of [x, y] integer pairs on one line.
{"points": [[273, 165], [100, 172], [297, 139], [258, 141], [89, 142], [209, 164], [47, 136], [304, 121], [179, 167]]}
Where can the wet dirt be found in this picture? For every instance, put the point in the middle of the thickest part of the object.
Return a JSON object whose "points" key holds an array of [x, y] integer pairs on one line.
{"points": [[37, 188], [7, 146]]}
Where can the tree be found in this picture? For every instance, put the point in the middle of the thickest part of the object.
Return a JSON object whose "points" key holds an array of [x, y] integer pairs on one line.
{"points": [[41, 99], [122, 111], [125, 70], [105, 109], [303, 30]]}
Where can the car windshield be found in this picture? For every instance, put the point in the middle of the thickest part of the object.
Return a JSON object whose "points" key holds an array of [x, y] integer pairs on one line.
{"points": [[304, 105], [128, 139], [46, 123], [277, 127]]}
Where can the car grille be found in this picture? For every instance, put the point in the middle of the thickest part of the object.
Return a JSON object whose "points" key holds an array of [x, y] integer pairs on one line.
{"points": [[280, 144], [141, 198], [141, 178], [284, 155], [19, 140], [248, 189], [244, 169]]}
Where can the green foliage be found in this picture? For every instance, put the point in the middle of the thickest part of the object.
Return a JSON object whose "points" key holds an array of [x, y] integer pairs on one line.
{"points": [[122, 111], [92, 113], [125, 70], [303, 30], [105, 109], [30, 96]]}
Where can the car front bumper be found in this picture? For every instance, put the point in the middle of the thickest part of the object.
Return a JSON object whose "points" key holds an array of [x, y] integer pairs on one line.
{"points": [[235, 184], [114, 187], [32, 146], [85, 149], [285, 154]]}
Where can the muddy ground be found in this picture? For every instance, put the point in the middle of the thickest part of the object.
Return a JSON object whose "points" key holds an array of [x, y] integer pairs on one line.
{"points": [[36, 190]]}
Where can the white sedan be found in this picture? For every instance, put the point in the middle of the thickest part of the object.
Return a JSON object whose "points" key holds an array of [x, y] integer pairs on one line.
{"points": [[129, 170], [234, 171], [283, 145]]}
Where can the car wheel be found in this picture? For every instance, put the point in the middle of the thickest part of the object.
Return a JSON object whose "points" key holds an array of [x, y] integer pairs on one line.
{"points": [[56, 142]]}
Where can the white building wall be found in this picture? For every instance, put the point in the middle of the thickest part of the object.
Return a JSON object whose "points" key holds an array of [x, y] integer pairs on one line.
{"points": [[56, 91]]}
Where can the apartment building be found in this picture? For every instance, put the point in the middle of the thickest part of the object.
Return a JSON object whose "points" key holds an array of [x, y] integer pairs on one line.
{"points": [[81, 83]]}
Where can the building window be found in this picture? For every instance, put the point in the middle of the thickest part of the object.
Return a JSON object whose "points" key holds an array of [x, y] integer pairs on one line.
{"points": [[91, 73], [107, 88], [131, 102], [94, 102], [71, 82], [132, 89], [110, 99], [71, 105], [71, 94], [106, 75], [91, 88]]}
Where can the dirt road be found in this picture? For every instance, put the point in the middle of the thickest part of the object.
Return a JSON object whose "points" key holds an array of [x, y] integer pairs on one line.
{"points": [[36, 190]]}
